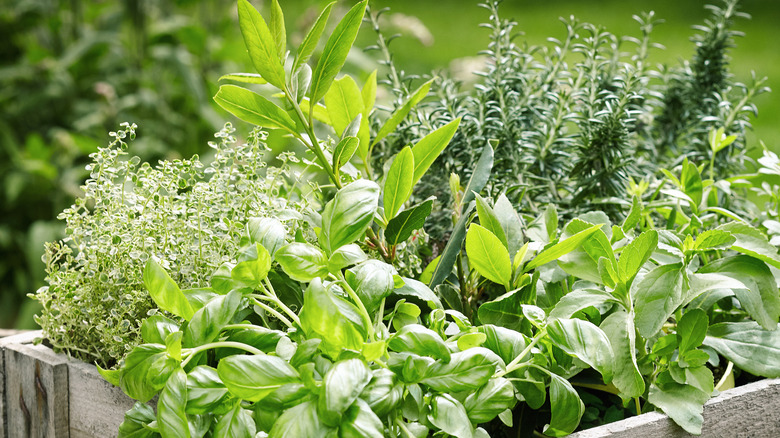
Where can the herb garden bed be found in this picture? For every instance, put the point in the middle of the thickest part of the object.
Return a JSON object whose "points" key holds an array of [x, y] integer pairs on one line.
{"points": [[65, 397]]}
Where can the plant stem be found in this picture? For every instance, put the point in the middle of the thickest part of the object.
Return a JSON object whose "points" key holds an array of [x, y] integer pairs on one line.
{"points": [[272, 311], [359, 303], [515, 364], [638, 406], [271, 293], [222, 344]]}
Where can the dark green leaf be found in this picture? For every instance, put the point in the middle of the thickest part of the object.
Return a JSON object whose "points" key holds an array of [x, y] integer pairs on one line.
{"points": [[417, 339], [480, 175], [302, 261], [657, 297], [691, 330], [267, 231], [336, 321], [254, 377], [451, 250], [429, 147], [262, 47], [206, 393], [253, 108], [566, 407], [171, 418], [619, 328], [136, 421], [348, 214], [312, 38], [683, 403], [585, 341], [259, 337], [341, 386], [237, 423], [748, 345], [164, 291], [635, 254], [449, 415], [400, 114], [488, 255], [401, 226], [418, 293], [490, 400], [399, 182], [466, 370], [335, 52]]}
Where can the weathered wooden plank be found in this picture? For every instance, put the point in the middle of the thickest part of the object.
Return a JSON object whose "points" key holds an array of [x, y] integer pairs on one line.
{"points": [[746, 411], [36, 392], [8, 337], [97, 408]]}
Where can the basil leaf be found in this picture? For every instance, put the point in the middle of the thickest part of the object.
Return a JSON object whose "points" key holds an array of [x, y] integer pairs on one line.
{"points": [[346, 256], [510, 222], [253, 266], [267, 231], [171, 418], [136, 422], [417, 339], [418, 293], [749, 346], [585, 341], [206, 393], [383, 392], [254, 377], [238, 423], [341, 386], [504, 311], [506, 343], [335, 52], [579, 299], [657, 297], [300, 421], [336, 321], [402, 225], [373, 281], [583, 262], [261, 45], [449, 415], [490, 400], [566, 407], [156, 328], [253, 108], [466, 370], [347, 216], [164, 291], [488, 255], [302, 262], [360, 422], [259, 337], [207, 323], [489, 219], [145, 371], [559, 249]]}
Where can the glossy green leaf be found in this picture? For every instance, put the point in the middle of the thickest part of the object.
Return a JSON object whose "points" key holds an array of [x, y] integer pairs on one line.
{"points": [[344, 151], [400, 114], [336, 321], [579, 299], [480, 175], [267, 231], [635, 254], [145, 371], [399, 182], [136, 421], [559, 249], [417, 339], [173, 345], [221, 281], [309, 43], [505, 311], [278, 31], [691, 182], [535, 315], [566, 407], [466, 370], [335, 52], [657, 297], [206, 393], [714, 239], [488, 255], [253, 108], [585, 341], [346, 256], [341, 386], [510, 222], [582, 262], [360, 421], [253, 266], [489, 220], [620, 330], [430, 147], [300, 421], [748, 345], [171, 418], [156, 328], [760, 299], [401, 227], [471, 340], [262, 47], [634, 215], [259, 337], [164, 291], [207, 323], [409, 367], [449, 415], [752, 242], [682, 403], [254, 377], [344, 103], [247, 78], [417, 292], [372, 281], [506, 343], [383, 393], [691, 330], [302, 261], [347, 216], [490, 400], [237, 423]]}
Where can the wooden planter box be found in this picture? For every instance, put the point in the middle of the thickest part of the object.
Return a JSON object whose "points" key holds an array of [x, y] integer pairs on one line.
{"points": [[44, 394]]}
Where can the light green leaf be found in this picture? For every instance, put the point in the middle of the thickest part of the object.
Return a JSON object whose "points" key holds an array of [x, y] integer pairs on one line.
{"points": [[619, 328], [312, 38], [505, 311], [372, 282], [347, 216], [207, 323], [752, 242], [399, 182], [401, 227], [253, 377], [267, 231], [300, 421], [171, 418], [237, 423], [164, 291], [302, 261], [146, 370], [262, 47], [360, 421], [489, 219], [657, 297], [253, 108], [428, 149], [336, 321], [506, 343], [635, 254], [714, 239], [346, 256], [414, 338], [490, 400], [341, 386], [691, 182], [559, 249], [137, 419], [344, 103], [634, 215], [683, 403], [510, 222], [278, 30], [566, 407], [449, 415], [247, 78], [344, 151], [417, 292], [335, 52], [253, 266], [488, 255], [466, 370], [206, 393], [585, 341], [579, 299], [583, 262], [748, 345], [400, 114], [691, 330]]}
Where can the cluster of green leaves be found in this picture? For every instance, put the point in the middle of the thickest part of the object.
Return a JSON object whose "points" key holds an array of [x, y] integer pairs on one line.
{"points": [[70, 73], [578, 120], [95, 301]]}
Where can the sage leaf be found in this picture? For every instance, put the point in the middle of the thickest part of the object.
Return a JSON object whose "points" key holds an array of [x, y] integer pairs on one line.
{"points": [[347, 216], [302, 261], [401, 227], [488, 255], [430, 147], [657, 297], [417, 339], [341, 386], [309, 43], [449, 415], [566, 407], [335, 52], [399, 182], [253, 108], [748, 345], [164, 291], [585, 341], [254, 377], [171, 418], [262, 46]]}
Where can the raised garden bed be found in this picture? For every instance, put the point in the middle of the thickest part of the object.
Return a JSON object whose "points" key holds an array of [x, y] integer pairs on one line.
{"points": [[48, 394]]}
